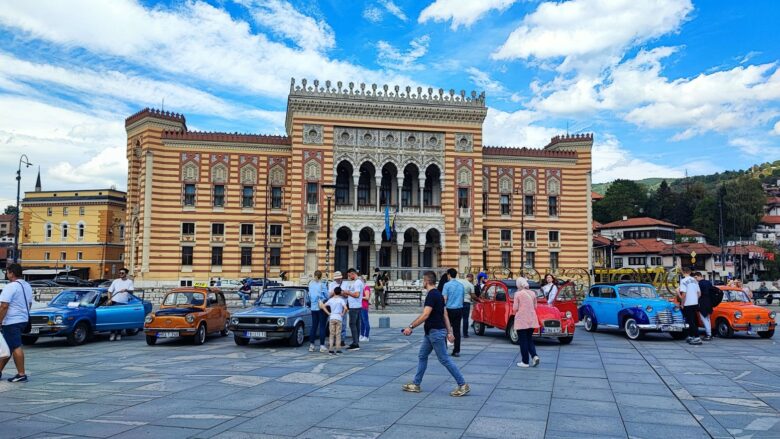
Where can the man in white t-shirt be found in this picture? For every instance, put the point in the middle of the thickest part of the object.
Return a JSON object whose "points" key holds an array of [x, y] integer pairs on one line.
{"points": [[688, 294], [468, 296], [15, 302], [119, 294], [354, 293]]}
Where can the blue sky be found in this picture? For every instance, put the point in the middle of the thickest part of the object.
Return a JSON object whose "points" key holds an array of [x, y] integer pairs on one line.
{"points": [[666, 86]]}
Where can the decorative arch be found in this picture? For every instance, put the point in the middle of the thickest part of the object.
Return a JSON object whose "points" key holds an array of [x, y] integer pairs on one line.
{"points": [[312, 170], [464, 176], [81, 230], [505, 184], [219, 173], [248, 174], [529, 185], [189, 172], [553, 186], [276, 176]]}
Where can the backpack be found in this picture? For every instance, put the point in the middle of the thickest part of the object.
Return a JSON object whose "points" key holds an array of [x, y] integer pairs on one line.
{"points": [[716, 296]]}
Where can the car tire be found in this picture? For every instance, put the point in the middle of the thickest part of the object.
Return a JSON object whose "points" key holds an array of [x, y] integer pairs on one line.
{"points": [[200, 335], [511, 333], [631, 329], [225, 331], [723, 328], [132, 332], [79, 334], [590, 325], [479, 328], [566, 340], [241, 341], [766, 334], [29, 340], [298, 336], [151, 340]]}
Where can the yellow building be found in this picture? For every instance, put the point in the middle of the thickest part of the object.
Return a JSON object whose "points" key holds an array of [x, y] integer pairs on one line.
{"points": [[198, 200], [83, 230]]}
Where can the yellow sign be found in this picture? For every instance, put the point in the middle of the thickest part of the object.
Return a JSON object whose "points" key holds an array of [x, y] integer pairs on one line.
{"points": [[693, 254], [200, 284]]}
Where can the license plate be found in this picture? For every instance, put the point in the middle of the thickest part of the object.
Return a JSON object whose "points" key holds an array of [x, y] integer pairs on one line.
{"points": [[167, 334], [552, 330], [35, 330], [669, 328], [257, 334], [759, 328]]}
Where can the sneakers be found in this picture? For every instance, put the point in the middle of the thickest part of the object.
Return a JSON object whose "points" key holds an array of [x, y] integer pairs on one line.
{"points": [[461, 390], [523, 365], [707, 338], [456, 354], [323, 349], [411, 387], [311, 347], [339, 351], [535, 361], [695, 341], [353, 347], [112, 337], [363, 338], [333, 353], [343, 344], [118, 337], [18, 379]]}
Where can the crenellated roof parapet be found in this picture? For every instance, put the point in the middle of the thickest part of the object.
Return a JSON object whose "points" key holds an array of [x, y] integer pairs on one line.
{"points": [[155, 113], [203, 136], [505, 151], [582, 139]]}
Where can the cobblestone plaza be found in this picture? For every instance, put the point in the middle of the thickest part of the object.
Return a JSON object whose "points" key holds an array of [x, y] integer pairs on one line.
{"points": [[600, 386]]}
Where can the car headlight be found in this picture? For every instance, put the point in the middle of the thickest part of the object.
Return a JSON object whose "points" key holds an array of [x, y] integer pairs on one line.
{"points": [[568, 314], [649, 308], [738, 315], [234, 320], [57, 320], [281, 321], [772, 315], [149, 318], [189, 318]]}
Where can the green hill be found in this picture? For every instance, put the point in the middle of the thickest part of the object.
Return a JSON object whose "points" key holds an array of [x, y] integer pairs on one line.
{"points": [[650, 183]]}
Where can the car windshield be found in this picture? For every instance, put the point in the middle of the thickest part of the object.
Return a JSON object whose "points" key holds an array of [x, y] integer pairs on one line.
{"points": [[735, 296], [70, 296], [637, 292], [281, 297], [184, 298]]}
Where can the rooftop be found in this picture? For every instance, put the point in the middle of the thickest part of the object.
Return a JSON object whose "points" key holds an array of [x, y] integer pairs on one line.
{"points": [[160, 114], [639, 246], [687, 247], [688, 232], [527, 152], [595, 196], [202, 136], [770, 219], [636, 222]]}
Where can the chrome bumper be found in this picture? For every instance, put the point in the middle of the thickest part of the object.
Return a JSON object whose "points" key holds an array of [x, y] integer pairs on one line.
{"points": [[674, 327]]}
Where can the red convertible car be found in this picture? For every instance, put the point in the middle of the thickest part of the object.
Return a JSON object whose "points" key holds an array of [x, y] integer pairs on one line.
{"points": [[494, 310]]}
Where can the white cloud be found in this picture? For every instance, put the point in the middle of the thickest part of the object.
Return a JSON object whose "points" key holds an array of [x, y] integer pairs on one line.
{"points": [[393, 9], [283, 19], [390, 57], [372, 14], [462, 13], [776, 130], [483, 81], [591, 33], [107, 168], [755, 146], [517, 128]]}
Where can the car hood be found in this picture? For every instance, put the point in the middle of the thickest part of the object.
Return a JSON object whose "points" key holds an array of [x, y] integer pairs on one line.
{"points": [[544, 311], [265, 311], [52, 310], [176, 311], [742, 306]]}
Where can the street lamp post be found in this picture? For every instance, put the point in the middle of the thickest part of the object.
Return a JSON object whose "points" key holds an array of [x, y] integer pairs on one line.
{"points": [[26, 161], [328, 189]]}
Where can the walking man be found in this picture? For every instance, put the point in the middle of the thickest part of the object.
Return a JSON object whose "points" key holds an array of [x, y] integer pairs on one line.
{"points": [[355, 304], [468, 297], [453, 294], [705, 303], [317, 293], [437, 331], [688, 294], [15, 303], [119, 294]]}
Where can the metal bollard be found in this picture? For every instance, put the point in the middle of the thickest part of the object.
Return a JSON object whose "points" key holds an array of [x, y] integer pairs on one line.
{"points": [[384, 322]]}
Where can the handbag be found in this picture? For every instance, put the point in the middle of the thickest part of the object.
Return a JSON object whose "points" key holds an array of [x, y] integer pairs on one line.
{"points": [[28, 326], [5, 352]]}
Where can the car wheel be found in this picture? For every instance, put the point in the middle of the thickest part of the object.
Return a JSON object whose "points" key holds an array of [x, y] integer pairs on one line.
{"points": [[29, 340], [724, 329], [79, 334], [631, 328], [479, 328], [298, 335], [766, 334], [511, 333], [225, 331], [200, 335], [566, 340], [132, 332], [241, 341], [151, 340], [590, 325]]}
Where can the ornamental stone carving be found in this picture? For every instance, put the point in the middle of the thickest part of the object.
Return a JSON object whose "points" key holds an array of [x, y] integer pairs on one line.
{"points": [[248, 175], [312, 171], [390, 139], [464, 142], [368, 138], [505, 184], [529, 185], [553, 186], [219, 174], [312, 134], [189, 172], [276, 176], [464, 177]]}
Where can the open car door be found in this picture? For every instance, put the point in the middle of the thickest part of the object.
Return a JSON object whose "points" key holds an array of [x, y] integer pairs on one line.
{"points": [[566, 300]]}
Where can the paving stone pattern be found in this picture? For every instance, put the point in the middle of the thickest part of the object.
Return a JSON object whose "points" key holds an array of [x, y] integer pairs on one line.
{"points": [[600, 386]]}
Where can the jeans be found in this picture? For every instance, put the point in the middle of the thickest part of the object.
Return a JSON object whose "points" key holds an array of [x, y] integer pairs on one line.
{"points": [[365, 327], [466, 312], [379, 298], [334, 340], [354, 325], [243, 297], [318, 321], [527, 346], [455, 315], [436, 340], [691, 314], [707, 324]]}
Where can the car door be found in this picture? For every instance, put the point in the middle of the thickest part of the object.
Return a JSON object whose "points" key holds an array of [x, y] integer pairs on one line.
{"points": [[305, 310], [114, 317], [566, 300], [213, 321], [485, 308], [501, 308], [609, 306]]}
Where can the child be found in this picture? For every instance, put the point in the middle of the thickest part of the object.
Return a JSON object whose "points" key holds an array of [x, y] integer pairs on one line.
{"points": [[335, 310]]}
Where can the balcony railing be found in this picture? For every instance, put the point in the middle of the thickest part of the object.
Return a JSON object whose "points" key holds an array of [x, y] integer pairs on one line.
{"points": [[431, 209], [188, 237], [465, 212], [247, 238], [506, 244], [217, 238], [312, 208]]}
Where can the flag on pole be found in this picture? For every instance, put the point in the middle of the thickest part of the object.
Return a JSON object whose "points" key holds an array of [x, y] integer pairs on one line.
{"points": [[388, 231], [392, 224]]}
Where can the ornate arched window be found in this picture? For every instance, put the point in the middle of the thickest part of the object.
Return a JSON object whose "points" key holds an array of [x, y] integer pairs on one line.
{"points": [[505, 184], [219, 174], [553, 186], [248, 175], [190, 172], [312, 170], [276, 176], [464, 177], [529, 185]]}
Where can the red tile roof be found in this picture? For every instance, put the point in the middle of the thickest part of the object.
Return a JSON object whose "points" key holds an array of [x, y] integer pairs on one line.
{"points": [[7, 218], [200, 136], [151, 112], [772, 201], [596, 225], [770, 219], [632, 246], [687, 247], [745, 249], [636, 222], [527, 152], [595, 196], [601, 241], [688, 232]]}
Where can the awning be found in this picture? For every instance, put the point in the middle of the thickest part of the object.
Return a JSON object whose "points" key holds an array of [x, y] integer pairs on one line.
{"points": [[45, 271]]}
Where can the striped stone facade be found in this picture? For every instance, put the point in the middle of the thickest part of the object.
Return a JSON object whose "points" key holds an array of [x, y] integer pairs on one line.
{"points": [[416, 157]]}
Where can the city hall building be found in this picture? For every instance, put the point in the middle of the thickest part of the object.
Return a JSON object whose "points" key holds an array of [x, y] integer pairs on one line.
{"points": [[410, 162]]}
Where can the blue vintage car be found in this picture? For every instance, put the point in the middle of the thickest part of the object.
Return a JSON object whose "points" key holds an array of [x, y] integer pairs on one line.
{"points": [[281, 313], [78, 313], [634, 308]]}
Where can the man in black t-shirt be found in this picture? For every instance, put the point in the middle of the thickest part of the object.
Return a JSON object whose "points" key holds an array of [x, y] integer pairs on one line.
{"points": [[437, 332]]}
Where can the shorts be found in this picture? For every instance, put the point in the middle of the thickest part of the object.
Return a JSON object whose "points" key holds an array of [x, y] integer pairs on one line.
{"points": [[13, 335]]}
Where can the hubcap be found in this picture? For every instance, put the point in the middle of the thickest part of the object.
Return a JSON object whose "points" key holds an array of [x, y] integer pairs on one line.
{"points": [[631, 329], [513, 335], [299, 335], [588, 323], [202, 334]]}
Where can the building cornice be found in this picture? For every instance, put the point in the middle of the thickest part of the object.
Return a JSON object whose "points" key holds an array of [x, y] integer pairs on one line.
{"points": [[277, 149]]}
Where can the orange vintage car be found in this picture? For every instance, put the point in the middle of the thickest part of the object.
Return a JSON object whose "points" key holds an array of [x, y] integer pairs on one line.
{"points": [[737, 313], [188, 312]]}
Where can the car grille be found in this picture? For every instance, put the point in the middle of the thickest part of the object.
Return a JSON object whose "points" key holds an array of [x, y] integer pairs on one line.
{"points": [[39, 320], [668, 318], [257, 320], [552, 324]]}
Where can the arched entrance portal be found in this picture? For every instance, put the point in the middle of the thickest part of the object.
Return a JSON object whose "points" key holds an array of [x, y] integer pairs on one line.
{"points": [[343, 248], [365, 248], [431, 254]]}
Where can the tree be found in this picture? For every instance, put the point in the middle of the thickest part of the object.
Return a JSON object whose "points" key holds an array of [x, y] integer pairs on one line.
{"points": [[10, 210], [705, 218], [623, 198], [661, 204], [771, 264], [743, 206]]}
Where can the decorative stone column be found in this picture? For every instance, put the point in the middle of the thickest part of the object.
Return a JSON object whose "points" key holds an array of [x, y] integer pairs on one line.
{"points": [[355, 180], [400, 189], [422, 190], [378, 193]]}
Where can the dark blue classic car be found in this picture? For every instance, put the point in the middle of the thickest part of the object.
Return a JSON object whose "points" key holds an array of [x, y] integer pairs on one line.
{"points": [[281, 313], [78, 313]]}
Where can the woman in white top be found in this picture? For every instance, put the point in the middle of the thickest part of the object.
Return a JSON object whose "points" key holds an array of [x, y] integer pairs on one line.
{"points": [[550, 288]]}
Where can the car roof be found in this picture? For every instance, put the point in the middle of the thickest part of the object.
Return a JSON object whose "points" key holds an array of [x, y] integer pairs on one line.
{"points": [[282, 287], [203, 290], [98, 289], [622, 283], [512, 283]]}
